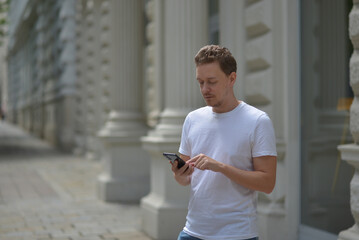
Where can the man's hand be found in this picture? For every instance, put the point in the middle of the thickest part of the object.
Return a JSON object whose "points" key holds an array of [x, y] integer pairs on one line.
{"points": [[204, 162], [182, 175], [262, 178]]}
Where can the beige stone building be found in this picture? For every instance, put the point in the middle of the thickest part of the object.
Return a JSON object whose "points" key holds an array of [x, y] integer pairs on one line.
{"points": [[114, 79]]}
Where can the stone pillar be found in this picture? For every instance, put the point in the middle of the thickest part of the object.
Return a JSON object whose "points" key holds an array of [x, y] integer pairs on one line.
{"points": [[80, 112], [350, 152], [65, 113], [49, 66], [126, 166], [185, 28], [93, 90]]}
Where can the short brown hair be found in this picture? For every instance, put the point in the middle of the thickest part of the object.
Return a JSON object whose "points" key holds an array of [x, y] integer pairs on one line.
{"points": [[213, 53]]}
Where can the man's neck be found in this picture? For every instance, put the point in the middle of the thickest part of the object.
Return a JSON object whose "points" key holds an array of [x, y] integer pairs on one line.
{"points": [[228, 107]]}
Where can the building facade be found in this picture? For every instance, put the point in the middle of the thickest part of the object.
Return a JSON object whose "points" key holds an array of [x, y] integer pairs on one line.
{"points": [[114, 79], [3, 62]]}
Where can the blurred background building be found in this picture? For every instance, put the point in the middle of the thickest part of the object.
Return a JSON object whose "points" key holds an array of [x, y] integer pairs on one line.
{"points": [[3, 63], [113, 80]]}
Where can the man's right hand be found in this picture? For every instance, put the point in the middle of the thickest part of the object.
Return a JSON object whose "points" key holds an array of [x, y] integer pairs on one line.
{"points": [[182, 175]]}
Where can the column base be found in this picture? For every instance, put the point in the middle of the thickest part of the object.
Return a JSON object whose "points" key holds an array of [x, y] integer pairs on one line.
{"points": [[126, 172], [271, 217], [126, 165], [349, 234], [125, 190], [160, 220], [164, 210]]}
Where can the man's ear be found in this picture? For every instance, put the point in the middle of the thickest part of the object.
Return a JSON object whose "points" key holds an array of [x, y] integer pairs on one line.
{"points": [[232, 78]]}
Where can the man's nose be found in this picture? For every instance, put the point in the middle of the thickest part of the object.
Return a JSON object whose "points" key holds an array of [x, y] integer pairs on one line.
{"points": [[206, 88]]}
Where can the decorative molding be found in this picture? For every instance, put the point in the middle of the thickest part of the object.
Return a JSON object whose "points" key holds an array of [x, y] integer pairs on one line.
{"points": [[259, 87], [249, 2], [354, 26], [105, 60], [350, 152], [354, 71], [153, 108], [258, 19], [259, 54], [80, 111]]}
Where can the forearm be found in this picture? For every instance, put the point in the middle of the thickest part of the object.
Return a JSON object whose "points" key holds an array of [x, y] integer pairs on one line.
{"points": [[254, 180], [262, 178]]}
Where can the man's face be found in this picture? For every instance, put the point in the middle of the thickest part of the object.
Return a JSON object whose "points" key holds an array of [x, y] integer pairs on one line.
{"points": [[216, 87]]}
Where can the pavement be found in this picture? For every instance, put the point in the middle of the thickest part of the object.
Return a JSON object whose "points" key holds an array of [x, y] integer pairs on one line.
{"points": [[48, 195]]}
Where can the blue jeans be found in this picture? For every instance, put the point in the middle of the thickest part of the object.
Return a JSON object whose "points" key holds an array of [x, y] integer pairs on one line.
{"points": [[185, 236]]}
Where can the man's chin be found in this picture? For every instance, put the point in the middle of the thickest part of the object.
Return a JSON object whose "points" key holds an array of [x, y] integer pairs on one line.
{"points": [[211, 104]]}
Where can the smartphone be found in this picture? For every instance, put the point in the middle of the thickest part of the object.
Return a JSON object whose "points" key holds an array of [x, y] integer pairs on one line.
{"points": [[174, 157]]}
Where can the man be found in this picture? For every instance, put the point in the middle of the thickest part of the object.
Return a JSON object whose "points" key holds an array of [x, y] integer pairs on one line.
{"points": [[230, 153]]}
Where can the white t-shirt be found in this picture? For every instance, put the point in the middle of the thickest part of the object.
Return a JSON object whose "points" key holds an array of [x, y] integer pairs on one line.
{"points": [[220, 208]]}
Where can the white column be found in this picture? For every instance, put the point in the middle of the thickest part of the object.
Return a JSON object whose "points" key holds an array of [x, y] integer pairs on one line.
{"points": [[126, 166], [350, 152], [185, 32]]}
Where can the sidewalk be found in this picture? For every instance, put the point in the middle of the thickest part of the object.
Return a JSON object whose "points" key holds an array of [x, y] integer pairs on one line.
{"points": [[48, 195]]}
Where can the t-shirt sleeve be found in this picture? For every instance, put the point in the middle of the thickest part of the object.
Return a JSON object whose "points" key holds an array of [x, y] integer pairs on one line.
{"points": [[185, 148], [264, 141]]}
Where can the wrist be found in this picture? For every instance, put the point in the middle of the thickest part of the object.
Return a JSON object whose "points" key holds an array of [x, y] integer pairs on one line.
{"points": [[183, 180], [221, 167]]}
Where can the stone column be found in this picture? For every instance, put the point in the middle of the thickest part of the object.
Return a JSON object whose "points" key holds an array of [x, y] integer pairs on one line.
{"points": [[185, 32], [80, 112], [126, 166], [51, 67], [93, 89], [350, 152], [65, 116]]}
